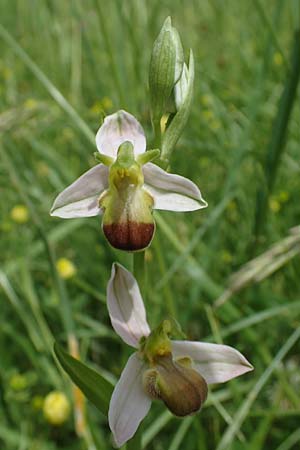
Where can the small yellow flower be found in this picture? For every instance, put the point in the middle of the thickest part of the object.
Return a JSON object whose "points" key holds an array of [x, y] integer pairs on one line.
{"points": [[106, 103], [226, 257], [19, 214], [206, 99], [18, 382], [37, 402], [277, 59], [30, 103], [208, 114], [274, 205], [42, 169], [215, 124], [283, 196], [65, 268], [96, 108], [67, 134], [232, 206], [7, 73], [56, 408]]}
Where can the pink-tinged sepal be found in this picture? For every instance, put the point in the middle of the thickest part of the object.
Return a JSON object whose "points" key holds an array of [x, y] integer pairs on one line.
{"points": [[129, 404], [126, 307]]}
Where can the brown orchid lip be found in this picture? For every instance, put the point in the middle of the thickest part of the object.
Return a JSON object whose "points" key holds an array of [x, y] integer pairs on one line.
{"points": [[177, 384], [129, 236]]}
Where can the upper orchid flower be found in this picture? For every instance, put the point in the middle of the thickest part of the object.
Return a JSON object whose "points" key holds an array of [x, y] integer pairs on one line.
{"points": [[125, 187], [176, 372]]}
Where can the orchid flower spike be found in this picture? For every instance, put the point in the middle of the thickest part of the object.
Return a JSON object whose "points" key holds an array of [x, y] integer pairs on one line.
{"points": [[176, 372], [125, 187]]}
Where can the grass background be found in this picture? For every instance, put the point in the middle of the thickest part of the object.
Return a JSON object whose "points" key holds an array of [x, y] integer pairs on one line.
{"points": [[63, 64]]}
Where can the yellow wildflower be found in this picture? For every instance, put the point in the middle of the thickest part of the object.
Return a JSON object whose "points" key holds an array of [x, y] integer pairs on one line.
{"points": [[65, 268], [30, 103], [18, 382], [96, 108], [19, 214], [206, 100], [226, 256], [208, 114], [56, 408], [37, 402], [215, 124], [274, 205], [6, 73], [283, 196], [106, 103], [42, 169], [277, 59]]}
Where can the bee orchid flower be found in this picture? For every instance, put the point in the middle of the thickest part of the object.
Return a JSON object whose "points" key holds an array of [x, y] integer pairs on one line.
{"points": [[175, 372], [125, 187]]}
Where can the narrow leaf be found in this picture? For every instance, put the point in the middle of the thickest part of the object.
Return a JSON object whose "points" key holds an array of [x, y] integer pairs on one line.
{"points": [[95, 387]]}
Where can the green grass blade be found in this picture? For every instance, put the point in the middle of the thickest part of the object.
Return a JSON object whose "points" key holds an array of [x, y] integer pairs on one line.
{"points": [[53, 91], [243, 411], [277, 138]]}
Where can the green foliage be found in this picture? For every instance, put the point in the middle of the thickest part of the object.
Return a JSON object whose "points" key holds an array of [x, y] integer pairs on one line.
{"points": [[96, 388]]}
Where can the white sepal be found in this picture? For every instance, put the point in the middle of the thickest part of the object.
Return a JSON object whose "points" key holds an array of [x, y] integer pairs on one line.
{"points": [[172, 192], [118, 128], [80, 199], [216, 363], [125, 305], [129, 404]]}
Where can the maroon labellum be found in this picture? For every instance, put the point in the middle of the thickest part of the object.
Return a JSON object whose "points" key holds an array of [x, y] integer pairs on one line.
{"points": [[130, 236]]}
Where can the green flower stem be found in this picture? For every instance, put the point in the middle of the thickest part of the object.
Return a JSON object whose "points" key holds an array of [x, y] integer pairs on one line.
{"points": [[277, 139], [170, 306], [140, 272]]}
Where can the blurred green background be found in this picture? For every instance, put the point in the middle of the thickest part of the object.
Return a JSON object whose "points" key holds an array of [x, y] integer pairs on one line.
{"points": [[63, 65]]}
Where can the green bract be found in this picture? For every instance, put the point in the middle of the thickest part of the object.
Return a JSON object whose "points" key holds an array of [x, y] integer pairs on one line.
{"points": [[171, 88], [162, 70]]}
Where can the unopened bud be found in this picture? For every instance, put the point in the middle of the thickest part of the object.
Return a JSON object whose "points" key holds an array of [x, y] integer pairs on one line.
{"points": [[163, 66], [183, 93]]}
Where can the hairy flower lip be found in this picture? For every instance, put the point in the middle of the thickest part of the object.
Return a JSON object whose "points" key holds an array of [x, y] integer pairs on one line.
{"points": [[181, 388], [129, 236], [130, 403]]}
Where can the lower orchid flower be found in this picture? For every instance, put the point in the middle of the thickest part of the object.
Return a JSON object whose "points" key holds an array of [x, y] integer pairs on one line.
{"points": [[125, 187], [176, 372]]}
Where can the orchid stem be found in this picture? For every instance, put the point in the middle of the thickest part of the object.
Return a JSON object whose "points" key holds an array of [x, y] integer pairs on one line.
{"points": [[140, 272]]}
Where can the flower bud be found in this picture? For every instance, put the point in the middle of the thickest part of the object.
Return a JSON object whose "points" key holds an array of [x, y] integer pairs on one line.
{"points": [[183, 93], [164, 63], [177, 384]]}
